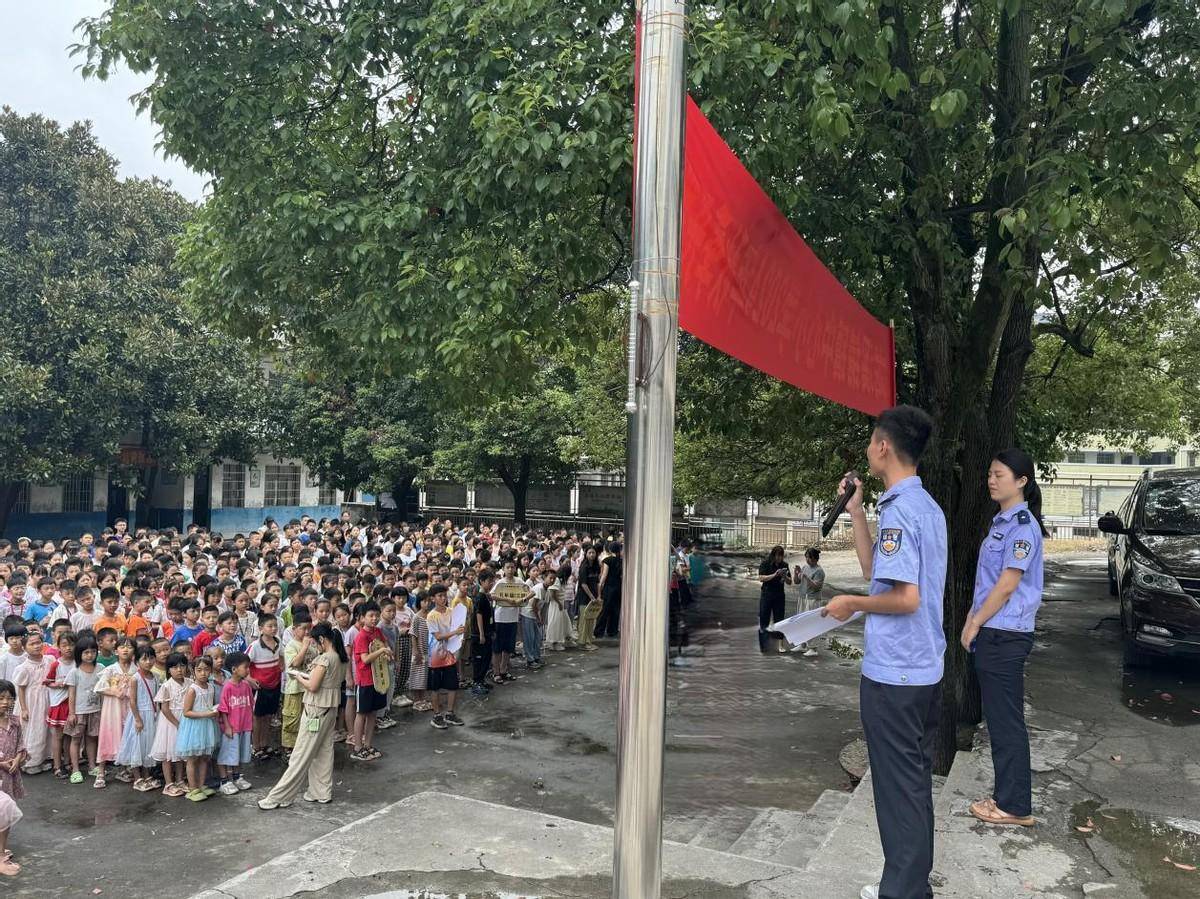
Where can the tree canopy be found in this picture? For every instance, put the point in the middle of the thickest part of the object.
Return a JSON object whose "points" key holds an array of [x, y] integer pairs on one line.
{"points": [[437, 181], [98, 345]]}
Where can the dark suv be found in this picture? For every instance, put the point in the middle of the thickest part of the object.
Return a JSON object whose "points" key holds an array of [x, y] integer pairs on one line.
{"points": [[1154, 563]]}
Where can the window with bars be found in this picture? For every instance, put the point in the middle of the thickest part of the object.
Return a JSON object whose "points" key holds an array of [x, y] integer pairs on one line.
{"points": [[281, 485], [77, 493], [21, 506], [233, 485], [1076, 458], [326, 494], [1106, 458]]}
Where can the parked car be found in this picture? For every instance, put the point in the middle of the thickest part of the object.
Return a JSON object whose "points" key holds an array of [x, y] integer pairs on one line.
{"points": [[1154, 564]]}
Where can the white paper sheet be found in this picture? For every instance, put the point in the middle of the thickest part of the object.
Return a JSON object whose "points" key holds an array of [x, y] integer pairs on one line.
{"points": [[809, 625]]}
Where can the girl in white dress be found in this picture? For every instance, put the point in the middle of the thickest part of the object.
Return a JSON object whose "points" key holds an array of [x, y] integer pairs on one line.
{"points": [[170, 703], [558, 623]]}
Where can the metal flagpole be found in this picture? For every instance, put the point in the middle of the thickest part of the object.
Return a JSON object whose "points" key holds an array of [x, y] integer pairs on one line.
{"points": [[657, 214]]}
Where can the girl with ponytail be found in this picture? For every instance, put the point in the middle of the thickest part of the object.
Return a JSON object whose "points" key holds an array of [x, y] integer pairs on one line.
{"points": [[999, 630]]}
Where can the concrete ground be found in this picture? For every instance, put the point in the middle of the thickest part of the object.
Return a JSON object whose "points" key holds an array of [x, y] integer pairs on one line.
{"points": [[1115, 747], [739, 734]]}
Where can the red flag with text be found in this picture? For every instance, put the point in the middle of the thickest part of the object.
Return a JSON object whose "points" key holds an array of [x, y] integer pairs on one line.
{"points": [[751, 287]]}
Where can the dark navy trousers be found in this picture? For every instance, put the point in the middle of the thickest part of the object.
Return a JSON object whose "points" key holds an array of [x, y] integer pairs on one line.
{"points": [[900, 724], [1000, 665]]}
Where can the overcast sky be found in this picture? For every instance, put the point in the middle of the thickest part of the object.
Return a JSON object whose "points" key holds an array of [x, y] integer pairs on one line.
{"points": [[37, 74]]}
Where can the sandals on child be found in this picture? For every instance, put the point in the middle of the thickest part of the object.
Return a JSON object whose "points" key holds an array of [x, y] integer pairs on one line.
{"points": [[100, 783]]}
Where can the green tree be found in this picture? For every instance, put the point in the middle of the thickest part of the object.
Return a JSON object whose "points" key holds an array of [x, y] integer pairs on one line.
{"points": [[357, 428], [97, 344], [434, 184], [986, 176], [522, 437]]}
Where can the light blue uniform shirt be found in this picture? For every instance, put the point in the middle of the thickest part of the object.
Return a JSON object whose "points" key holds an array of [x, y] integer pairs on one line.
{"points": [[908, 650], [1013, 541]]}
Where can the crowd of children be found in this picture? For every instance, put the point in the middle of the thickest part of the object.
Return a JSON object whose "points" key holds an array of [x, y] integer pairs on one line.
{"points": [[169, 661]]}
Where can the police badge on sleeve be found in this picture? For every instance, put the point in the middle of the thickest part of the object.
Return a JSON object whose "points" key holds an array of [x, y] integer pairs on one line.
{"points": [[1022, 549], [889, 541]]}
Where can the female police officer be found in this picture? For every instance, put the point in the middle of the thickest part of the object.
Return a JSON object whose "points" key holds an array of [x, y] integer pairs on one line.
{"points": [[999, 630]]}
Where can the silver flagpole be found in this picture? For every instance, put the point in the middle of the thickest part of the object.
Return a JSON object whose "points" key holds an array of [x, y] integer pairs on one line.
{"points": [[657, 213]]}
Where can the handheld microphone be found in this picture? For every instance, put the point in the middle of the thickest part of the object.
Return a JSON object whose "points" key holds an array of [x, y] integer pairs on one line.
{"points": [[839, 507]]}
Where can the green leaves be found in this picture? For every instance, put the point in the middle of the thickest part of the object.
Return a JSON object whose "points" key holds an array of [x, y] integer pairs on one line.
{"points": [[105, 347], [947, 107]]}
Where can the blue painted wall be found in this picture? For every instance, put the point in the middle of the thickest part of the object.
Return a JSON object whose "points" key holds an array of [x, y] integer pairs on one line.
{"points": [[233, 521], [54, 525]]}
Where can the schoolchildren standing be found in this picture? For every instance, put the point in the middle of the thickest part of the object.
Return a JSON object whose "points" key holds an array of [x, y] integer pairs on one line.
{"points": [[12, 756], [166, 736], [137, 738], [198, 735], [83, 707]]}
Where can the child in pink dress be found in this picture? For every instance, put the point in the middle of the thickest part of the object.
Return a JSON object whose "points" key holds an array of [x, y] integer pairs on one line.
{"points": [[113, 688], [12, 755]]}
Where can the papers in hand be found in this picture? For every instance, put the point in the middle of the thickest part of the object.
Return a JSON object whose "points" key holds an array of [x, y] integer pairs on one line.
{"points": [[809, 625]]}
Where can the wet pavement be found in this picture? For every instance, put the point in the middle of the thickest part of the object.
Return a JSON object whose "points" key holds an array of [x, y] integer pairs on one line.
{"points": [[1134, 769], [743, 730]]}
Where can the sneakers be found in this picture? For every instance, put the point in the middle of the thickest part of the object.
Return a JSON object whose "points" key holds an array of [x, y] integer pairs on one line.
{"points": [[241, 783], [439, 722], [385, 723], [810, 653], [480, 691], [266, 805], [308, 798], [402, 703], [451, 718], [229, 788]]}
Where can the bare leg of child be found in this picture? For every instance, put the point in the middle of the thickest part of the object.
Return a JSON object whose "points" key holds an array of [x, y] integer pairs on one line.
{"points": [[7, 867], [74, 752], [56, 748]]}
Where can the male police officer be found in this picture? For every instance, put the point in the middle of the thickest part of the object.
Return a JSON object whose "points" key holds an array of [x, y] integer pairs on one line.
{"points": [[900, 691]]}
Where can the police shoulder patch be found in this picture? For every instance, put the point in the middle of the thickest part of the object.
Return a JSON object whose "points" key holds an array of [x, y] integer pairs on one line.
{"points": [[889, 541], [1022, 549], [1023, 517]]}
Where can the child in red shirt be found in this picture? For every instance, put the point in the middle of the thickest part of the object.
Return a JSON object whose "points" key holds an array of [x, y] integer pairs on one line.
{"points": [[370, 700]]}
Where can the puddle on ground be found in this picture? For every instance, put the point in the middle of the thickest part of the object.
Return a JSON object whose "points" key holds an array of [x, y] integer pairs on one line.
{"points": [[1167, 691], [1153, 845], [83, 818], [580, 745]]}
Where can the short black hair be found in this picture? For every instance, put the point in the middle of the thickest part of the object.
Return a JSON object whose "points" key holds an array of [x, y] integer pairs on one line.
{"points": [[907, 428]]}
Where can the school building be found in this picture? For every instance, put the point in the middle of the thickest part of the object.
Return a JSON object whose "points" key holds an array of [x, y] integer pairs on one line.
{"points": [[1095, 478], [229, 497]]}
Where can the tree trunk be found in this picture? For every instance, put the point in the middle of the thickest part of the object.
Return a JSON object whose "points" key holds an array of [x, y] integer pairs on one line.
{"points": [[518, 485], [8, 499], [147, 480]]}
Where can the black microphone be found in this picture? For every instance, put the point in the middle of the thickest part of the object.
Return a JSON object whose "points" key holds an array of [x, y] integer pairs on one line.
{"points": [[840, 506]]}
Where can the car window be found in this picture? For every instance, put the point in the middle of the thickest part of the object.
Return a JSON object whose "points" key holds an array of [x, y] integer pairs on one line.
{"points": [[1172, 507]]}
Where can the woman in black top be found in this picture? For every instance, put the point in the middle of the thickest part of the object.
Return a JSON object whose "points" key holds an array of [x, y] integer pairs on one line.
{"points": [[773, 574]]}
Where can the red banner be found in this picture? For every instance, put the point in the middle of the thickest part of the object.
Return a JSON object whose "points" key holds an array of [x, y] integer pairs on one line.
{"points": [[751, 287]]}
